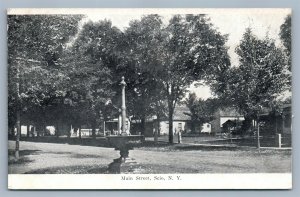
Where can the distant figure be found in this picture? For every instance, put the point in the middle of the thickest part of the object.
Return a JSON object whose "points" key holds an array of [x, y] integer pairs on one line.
{"points": [[179, 136], [75, 131]]}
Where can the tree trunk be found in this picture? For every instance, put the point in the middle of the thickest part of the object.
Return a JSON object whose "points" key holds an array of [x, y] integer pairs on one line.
{"points": [[143, 125], [32, 131], [17, 154], [57, 131], [282, 128], [28, 131], [171, 110], [79, 130], [158, 125], [44, 129], [12, 132], [193, 126], [69, 132], [38, 131], [18, 121], [94, 131]]}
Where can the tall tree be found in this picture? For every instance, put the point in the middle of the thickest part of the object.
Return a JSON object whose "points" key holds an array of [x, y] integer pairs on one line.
{"points": [[193, 50], [192, 102], [260, 76], [286, 33], [33, 40], [144, 38], [286, 38], [93, 60]]}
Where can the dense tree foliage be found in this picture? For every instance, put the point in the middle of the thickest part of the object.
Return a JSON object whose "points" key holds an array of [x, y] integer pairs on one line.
{"points": [[286, 33], [286, 38], [35, 44], [35, 78], [79, 83], [260, 77], [144, 38], [92, 61]]}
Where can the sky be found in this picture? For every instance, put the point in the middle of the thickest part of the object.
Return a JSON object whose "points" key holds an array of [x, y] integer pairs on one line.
{"points": [[264, 22], [227, 21]]}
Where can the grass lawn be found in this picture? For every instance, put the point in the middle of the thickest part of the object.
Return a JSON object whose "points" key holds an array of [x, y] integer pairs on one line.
{"points": [[55, 158], [217, 140]]}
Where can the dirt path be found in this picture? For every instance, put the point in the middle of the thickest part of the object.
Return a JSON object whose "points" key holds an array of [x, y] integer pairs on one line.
{"points": [[65, 158], [50, 155]]}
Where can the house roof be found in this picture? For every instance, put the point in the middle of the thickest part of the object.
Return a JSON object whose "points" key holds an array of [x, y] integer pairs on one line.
{"points": [[229, 111], [180, 113]]}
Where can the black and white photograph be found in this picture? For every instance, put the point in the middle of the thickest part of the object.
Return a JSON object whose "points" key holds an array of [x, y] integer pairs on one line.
{"points": [[149, 98]]}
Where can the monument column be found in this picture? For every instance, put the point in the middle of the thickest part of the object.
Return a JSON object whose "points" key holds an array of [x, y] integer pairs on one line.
{"points": [[123, 108], [120, 122]]}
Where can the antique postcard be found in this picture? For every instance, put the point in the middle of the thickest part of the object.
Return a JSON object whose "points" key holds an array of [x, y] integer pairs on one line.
{"points": [[149, 98]]}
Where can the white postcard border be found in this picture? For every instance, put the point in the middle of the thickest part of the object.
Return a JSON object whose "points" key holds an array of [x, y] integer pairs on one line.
{"points": [[150, 181]]}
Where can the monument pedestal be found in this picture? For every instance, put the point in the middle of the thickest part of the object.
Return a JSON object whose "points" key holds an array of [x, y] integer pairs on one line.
{"points": [[124, 166]]}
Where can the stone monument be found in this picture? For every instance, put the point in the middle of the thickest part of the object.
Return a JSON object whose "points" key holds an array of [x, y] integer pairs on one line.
{"points": [[124, 142]]}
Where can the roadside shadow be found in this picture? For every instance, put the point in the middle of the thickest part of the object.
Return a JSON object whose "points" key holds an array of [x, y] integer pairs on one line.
{"points": [[11, 152], [23, 159], [20, 161], [83, 156], [208, 148], [98, 142], [78, 169]]}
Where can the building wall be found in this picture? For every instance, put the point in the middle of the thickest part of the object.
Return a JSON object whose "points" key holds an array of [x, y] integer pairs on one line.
{"points": [[23, 130], [206, 128], [183, 126], [51, 130], [177, 126]]}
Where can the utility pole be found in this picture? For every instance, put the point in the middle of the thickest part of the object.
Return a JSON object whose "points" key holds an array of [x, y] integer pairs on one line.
{"points": [[258, 127], [18, 122]]}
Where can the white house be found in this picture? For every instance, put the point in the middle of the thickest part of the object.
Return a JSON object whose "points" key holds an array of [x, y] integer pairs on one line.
{"points": [[180, 121], [222, 115], [206, 128]]}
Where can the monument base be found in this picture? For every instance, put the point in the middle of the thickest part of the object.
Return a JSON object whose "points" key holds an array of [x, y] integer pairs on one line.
{"points": [[124, 166]]}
